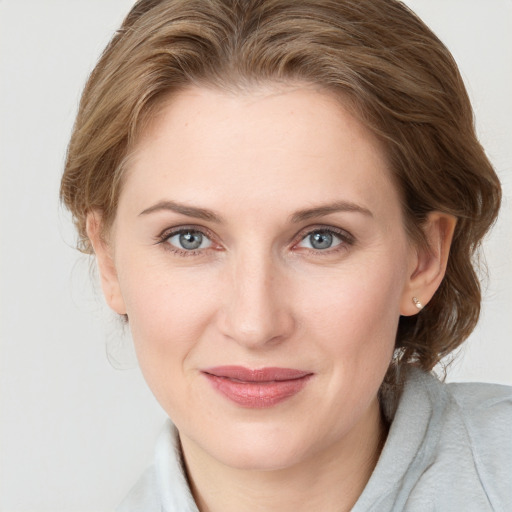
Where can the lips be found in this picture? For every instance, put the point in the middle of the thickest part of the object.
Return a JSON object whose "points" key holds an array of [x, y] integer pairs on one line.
{"points": [[256, 388]]}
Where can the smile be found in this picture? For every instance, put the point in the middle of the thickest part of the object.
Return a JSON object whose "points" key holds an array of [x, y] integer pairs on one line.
{"points": [[259, 388]]}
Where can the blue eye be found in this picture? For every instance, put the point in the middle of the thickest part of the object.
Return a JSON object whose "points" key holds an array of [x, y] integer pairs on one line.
{"points": [[321, 239], [189, 240]]}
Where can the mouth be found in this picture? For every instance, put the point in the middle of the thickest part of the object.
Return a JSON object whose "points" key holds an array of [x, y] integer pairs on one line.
{"points": [[258, 388]]}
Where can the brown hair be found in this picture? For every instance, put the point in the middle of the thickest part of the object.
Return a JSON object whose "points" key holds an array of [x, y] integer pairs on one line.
{"points": [[395, 74]]}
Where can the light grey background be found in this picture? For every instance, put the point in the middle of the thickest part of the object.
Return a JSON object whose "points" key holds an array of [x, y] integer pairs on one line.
{"points": [[76, 433]]}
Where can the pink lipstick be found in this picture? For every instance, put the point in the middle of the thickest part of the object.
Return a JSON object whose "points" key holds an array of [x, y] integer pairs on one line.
{"points": [[258, 388]]}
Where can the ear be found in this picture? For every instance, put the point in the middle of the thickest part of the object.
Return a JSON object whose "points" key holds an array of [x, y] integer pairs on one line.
{"points": [[105, 261], [428, 264]]}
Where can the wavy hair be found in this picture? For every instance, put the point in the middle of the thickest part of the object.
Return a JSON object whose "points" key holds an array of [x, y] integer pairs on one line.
{"points": [[381, 60]]}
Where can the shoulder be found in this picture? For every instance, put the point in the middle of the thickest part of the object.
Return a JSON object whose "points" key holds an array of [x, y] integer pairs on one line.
{"points": [[144, 495], [467, 433], [487, 407], [478, 395], [449, 447], [164, 485], [485, 412]]}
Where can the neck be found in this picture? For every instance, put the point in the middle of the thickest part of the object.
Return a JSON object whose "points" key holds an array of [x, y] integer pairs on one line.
{"points": [[331, 480]]}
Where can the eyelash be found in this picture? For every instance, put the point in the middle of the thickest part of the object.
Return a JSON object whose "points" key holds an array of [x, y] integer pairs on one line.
{"points": [[346, 238]]}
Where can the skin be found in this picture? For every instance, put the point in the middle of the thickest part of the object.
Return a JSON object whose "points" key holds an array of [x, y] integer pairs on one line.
{"points": [[258, 294]]}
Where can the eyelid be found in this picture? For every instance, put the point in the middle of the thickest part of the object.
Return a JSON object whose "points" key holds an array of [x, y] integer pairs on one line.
{"points": [[176, 230]]}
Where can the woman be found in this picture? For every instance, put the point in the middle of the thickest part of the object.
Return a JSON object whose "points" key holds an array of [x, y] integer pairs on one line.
{"points": [[284, 200]]}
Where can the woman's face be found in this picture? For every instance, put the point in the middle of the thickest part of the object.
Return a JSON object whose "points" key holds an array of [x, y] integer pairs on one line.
{"points": [[261, 231]]}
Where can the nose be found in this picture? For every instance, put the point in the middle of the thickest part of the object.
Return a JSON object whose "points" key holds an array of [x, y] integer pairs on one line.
{"points": [[256, 310]]}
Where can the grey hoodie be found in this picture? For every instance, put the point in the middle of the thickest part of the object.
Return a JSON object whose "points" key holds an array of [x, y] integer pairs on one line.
{"points": [[449, 449]]}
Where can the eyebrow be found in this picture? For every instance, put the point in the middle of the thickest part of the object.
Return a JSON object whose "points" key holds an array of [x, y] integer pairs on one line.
{"points": [[299, 216], [183, 209], [320, 211]]}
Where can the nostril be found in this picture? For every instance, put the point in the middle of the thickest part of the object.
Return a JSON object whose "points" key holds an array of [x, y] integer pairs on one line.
{"points": [[257, 328]]}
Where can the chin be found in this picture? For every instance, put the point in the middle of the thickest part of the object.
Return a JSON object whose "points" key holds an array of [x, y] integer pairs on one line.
{"points": [[264, 449], [260, 459]]}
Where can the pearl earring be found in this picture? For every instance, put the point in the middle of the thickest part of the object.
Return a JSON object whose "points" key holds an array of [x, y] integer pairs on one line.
{"points": [[417, 303]]}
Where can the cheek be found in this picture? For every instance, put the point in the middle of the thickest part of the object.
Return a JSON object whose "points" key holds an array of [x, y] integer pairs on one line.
{"points": [[169, 314], [357, 310], [168, 310]]}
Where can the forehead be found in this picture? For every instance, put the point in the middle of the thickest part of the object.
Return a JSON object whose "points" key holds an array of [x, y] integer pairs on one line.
{"points": [[275, 146]]}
